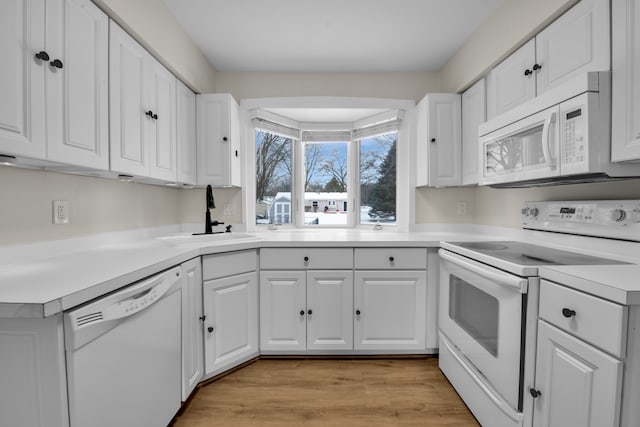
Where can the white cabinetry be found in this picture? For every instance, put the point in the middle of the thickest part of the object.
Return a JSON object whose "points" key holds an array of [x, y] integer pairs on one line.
{"points": [[576, 382], [474, 112], [186, 134], [143, 111], [390, 299], [218, 135], [577, 42], [438, 137], [230, 310], [303, 309], [625, 138], [32, 368], [192, 342], [56, 64]]}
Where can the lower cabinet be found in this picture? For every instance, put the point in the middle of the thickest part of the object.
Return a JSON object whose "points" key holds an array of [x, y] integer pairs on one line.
{"points": [[230, 310], [306, 310], [578, 385], [390, 309], [192, 351]]}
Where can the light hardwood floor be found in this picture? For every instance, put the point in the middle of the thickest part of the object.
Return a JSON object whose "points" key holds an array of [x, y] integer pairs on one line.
{"points": [[329, 392]]}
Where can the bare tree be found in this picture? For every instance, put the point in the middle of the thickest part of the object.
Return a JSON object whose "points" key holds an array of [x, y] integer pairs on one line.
{"points": [[336, 166], [311, 160], [273, 162]]}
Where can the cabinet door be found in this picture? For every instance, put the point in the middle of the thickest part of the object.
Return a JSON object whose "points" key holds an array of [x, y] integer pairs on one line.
{"points": [[217, 134], [192, 339], [77, 93], [625, 139], [160, 96], [22, 110], [186, 134], [392, 306], [283, 317], [507, 84], [474, 112], [578, 384], [330, 310], [231, 327], [576, 42], [128, 122], [445, 147]]}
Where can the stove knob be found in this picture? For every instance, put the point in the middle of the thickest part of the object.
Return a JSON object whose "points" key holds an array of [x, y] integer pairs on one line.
{"points": [[534, 212], [618, 215]]}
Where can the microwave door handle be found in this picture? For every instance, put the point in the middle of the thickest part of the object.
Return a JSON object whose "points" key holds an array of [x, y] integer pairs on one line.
{"points": [[546, 142]]}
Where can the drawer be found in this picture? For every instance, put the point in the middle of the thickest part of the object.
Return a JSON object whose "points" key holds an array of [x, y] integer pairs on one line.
{"points": [[599, 322], [391, 258], [229, 264], [306, 258]]}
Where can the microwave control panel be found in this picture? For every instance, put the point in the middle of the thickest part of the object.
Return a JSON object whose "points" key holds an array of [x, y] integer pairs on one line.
{"points": [[606, 218], [574, 139]]}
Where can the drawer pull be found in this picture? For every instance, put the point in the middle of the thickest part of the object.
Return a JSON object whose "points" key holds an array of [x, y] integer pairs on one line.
{"points": [[534, 393], [567, 312], [391, 259], [309, 312], [306, 259], [210, 329], [301, 312], [357, 312]]}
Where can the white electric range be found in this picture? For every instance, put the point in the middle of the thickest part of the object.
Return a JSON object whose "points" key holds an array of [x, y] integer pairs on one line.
{"points": [[489, 294]]}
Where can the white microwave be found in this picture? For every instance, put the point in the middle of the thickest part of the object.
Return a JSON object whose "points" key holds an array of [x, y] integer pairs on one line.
{"points": [[563, 136]]}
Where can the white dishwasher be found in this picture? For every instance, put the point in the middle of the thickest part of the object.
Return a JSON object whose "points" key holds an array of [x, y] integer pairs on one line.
{"points": [[124, 355]]}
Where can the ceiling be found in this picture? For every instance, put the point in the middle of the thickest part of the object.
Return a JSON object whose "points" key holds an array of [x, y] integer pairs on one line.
{"points": [[330, 35]]}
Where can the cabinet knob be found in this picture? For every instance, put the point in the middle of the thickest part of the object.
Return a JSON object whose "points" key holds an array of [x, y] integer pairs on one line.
{"points": [[433, 140], [357, 312], [528, 72], [391, 259], [225, 139], [56, 63], [567, 312], [301, 312], [149, 114], [202, 318], [309, 312], [536, 67], [534, 393], [236, 153], [210, 329], [306, 259], [42, 55]]}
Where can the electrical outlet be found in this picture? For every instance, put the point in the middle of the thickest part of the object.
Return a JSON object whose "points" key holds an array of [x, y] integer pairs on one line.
{"points": [[60, 212], [227, 209], [461, 208]]}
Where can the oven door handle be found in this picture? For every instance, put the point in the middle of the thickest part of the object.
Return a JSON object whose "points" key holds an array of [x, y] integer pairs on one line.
{"points": [[516, 283]]}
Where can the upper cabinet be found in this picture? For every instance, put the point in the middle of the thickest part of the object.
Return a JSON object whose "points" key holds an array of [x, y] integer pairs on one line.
{"points": [[625, 138], [56, 70], [576, 42], [186, 134], [474, 112], [218, 134], [438, 140], [143, 111]]}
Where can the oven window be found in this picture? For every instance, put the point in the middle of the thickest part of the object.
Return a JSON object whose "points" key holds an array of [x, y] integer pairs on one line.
{"points": [[476, 312]]}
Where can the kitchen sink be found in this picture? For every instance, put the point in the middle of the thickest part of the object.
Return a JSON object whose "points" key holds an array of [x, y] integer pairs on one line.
{"points": [[195, 239]]}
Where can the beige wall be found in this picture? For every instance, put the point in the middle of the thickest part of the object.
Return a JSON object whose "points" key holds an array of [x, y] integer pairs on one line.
{"points": [[374, 85], [515, 22], [151, 23], [95, 205], [193, 205]]}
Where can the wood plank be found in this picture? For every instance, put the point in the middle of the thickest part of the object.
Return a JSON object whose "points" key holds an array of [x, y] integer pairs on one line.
{"points": [[329, 392]]}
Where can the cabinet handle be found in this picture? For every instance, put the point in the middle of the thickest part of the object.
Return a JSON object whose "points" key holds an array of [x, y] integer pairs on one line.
{"points": [[155, 117], [42, 55], [528, 72], [391, 259], [534, 393], [149, 114], [56, 63], [225, 139], [567, 312], [536, 67], [301, 312], [202, 318], [433, 140], [210, 329], [309, 312], [236, 153], [357, 312]]}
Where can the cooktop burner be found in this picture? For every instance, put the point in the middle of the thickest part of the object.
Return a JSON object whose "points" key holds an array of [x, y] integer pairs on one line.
{"points": [[526, 254]]}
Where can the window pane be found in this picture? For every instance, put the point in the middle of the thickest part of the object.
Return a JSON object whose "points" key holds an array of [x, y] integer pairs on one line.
{"points": [[273, 178], [378, 179], [325, 185]]}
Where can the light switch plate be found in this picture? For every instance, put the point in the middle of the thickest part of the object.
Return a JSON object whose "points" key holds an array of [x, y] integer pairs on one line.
{"points": [[60, 212]]}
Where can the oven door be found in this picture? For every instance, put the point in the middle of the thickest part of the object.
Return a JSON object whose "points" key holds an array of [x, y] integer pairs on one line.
{"points": [[481, 313]]}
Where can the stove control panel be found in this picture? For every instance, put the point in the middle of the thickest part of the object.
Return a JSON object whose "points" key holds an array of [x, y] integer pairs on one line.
{"points": [[619, 219]]}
